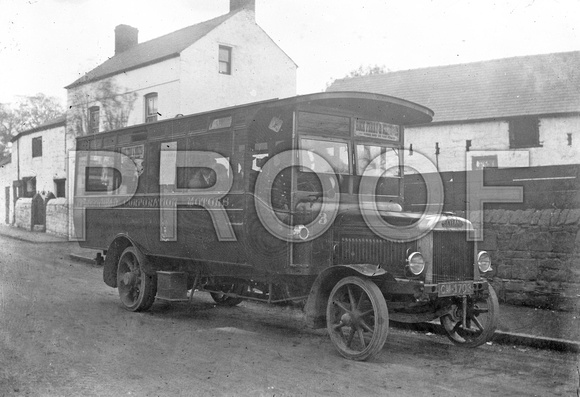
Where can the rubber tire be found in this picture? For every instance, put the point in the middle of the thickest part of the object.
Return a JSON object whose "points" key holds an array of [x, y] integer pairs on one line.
{"points": [[380, 318], [147, 287], [489, 327]]}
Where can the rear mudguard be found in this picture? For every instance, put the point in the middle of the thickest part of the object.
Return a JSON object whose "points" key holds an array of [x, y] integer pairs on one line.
{"points": [[116, 248], [315, 308]]}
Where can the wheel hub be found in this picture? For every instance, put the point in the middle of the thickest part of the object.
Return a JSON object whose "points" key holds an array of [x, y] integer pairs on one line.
{"points": [[129, 278], [349, 319], [456, 313]]}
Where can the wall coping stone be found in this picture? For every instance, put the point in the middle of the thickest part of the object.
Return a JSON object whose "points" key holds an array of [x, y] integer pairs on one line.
{"points": [[24, 200], [57, 201]]}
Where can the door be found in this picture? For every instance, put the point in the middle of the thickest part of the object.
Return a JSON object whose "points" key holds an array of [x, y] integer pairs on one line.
{"points": [[38, 210]]}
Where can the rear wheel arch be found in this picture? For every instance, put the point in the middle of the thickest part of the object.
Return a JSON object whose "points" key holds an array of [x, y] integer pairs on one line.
{"points": [[116, 248]]}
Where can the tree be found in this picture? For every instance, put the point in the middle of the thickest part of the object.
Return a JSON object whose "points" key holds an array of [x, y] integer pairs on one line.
{"points": [[6, 128], [115, 104], [29, 112], [362, 71]]}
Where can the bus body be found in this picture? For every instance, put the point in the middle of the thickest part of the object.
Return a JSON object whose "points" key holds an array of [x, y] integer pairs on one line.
{"points": [[298, 199]]}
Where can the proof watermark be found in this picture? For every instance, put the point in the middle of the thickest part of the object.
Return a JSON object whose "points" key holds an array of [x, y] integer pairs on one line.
{"points": [[479, 194], [369, 206], [106, 179]]}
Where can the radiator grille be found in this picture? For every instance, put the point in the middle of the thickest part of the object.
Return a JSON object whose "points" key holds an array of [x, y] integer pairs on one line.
{"points": [[390, 255], [452, 257]]}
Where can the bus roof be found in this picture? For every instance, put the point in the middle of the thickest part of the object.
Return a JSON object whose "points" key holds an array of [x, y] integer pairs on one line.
{"points": [[376, 106]]}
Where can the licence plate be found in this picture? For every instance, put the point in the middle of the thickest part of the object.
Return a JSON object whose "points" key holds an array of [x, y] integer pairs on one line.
{"points": [[456, 289]]}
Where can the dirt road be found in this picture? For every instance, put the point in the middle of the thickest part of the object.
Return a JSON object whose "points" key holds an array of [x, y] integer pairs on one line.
{"points": [[63, 332]]}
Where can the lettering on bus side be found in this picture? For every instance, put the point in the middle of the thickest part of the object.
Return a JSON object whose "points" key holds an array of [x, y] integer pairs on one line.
{"points": [[206, 178], [106, 179]]}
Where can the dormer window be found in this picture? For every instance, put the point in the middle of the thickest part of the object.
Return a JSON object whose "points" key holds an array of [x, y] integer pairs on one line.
{"points": [[225, 60], [151, 107]]}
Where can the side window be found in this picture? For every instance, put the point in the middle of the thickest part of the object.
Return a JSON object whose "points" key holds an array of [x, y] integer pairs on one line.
{"points": [[225, 60], [151, 107], [335, 153], [94, 117], [137, 154], [201, 177], [102, 179], [37, 147]]}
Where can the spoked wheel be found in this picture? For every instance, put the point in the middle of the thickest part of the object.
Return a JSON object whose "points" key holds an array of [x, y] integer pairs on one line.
{"points": [[357, 318], [222, 299], [136, 289], [480, 324]]}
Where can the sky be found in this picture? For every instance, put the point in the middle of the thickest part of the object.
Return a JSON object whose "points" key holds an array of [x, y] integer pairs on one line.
{"points": [[47, 44]]}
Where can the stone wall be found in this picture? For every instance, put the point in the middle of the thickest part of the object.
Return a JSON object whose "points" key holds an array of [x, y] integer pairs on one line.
{"points": [[535, 255], [57, 217], [24, 213]]}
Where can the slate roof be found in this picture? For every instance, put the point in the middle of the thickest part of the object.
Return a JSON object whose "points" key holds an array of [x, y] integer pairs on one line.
{"points": [[152, 51], [56, 122], [501, 88]]}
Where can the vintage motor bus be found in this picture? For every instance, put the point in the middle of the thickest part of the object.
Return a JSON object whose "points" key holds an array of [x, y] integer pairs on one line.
{"points": [[297, 199]]}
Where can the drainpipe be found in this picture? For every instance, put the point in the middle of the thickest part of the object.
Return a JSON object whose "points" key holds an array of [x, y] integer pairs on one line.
{"points": [[14, 193]]}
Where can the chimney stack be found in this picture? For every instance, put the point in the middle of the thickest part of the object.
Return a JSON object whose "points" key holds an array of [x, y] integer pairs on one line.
{"points": [[125, 37], [237, 4]]}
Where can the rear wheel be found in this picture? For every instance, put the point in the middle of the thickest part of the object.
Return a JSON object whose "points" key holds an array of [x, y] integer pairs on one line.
{"points": [[222, 299], [137, 290], [357, 318], [480, 321]]}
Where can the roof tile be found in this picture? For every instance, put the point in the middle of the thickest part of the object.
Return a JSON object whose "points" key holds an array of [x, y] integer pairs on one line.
{"points": [[536, 84], [152, 51]]}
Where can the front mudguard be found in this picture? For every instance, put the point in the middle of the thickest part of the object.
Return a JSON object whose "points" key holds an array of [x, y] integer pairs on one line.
{"points": [[315, 308]]}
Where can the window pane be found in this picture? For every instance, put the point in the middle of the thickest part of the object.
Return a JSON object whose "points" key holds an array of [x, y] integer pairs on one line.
{"points": [[102, 179], [94, 120], [151, 105], [313, 123], [37, 147], [224, 68], [224, 54], [335, 153], [380, 161]]}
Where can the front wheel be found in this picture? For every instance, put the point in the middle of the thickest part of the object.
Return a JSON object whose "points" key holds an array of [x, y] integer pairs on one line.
{"points": [[481, 321], [357, 318], [137, 290]]}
